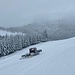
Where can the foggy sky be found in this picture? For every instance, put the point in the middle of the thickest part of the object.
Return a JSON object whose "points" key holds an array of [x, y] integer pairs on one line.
{"points": [[22, 12]]}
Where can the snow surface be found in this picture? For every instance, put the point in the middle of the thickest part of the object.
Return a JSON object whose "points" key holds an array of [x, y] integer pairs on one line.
{"points": [[57, 58], [3, 33]]}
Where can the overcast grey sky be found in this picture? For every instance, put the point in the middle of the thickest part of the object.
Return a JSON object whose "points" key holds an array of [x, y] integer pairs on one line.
{"points": [[21, 12]]}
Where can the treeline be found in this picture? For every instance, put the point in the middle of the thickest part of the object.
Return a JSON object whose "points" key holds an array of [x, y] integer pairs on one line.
{"points": [[12, 43]]}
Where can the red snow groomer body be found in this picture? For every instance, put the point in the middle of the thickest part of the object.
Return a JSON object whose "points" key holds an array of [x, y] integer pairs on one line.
{"points": [[32, 52]]}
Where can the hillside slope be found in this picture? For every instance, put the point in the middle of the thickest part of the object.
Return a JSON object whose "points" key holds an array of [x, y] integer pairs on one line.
{"points": [[57, 58], [58, 29]]}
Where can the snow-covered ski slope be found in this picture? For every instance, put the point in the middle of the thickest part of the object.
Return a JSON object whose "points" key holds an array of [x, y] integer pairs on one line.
{"points": [[3, 33], [57, 58]]}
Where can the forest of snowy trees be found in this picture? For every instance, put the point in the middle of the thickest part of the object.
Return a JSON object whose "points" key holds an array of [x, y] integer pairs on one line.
{"points": [[33, 34], [12, 43]]}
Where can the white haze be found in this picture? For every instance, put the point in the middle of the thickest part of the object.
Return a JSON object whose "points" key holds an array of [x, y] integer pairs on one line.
{"points": [[3, 33], [22, 12]]}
